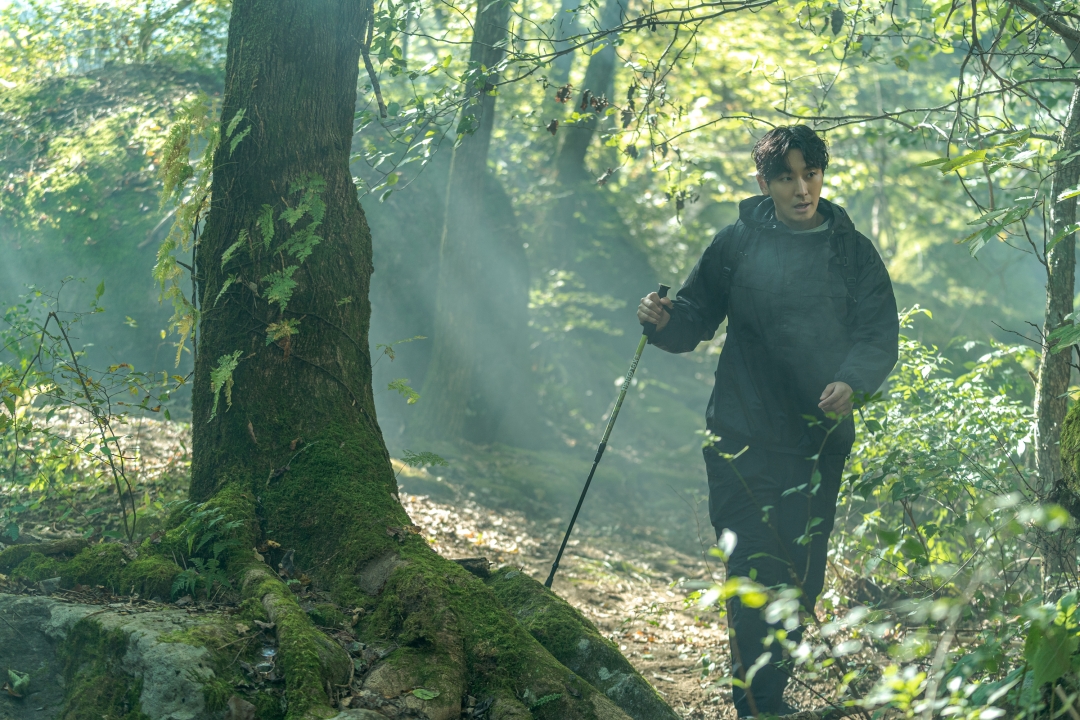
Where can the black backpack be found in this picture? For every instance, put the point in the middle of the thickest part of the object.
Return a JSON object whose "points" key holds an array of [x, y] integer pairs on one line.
{"points": [[844, 248]]}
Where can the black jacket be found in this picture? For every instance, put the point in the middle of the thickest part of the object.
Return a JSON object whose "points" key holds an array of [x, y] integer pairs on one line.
{"points": [[792, 328]]}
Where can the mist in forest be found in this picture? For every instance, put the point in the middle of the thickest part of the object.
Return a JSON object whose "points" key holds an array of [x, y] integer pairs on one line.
{"points": [[511, 249]]}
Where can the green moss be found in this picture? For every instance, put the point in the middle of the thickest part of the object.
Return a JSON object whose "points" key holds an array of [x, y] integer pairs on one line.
{"points": [[100, 564], [225, 645], [268, 706], [327, 616], [1070, 448], [94, 685], [61, 549], [150, 576], [303, 651], [576, 643]]}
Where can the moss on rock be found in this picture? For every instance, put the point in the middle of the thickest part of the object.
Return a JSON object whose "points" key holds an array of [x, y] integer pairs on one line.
{"points": [[94, 685], [16, 554], [104, 564]]}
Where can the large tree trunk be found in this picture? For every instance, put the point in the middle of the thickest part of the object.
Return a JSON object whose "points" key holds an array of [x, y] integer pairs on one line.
{"points": [[1051, 401], [480, 313], [1053, 380], [293, 451], [599, 83]]}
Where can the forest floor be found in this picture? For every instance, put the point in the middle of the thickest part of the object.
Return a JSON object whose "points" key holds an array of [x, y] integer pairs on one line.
{"points": [[636, 588]]}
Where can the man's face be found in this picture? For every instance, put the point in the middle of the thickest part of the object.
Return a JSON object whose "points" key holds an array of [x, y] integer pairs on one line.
{"points": [[795, 193]]}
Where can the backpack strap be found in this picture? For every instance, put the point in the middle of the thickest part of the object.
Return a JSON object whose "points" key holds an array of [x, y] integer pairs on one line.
{"points": [[731, 255], [846, 248]]}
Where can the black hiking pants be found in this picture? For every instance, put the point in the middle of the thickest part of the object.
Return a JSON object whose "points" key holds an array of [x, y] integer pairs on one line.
{"points": [[772, 503]]}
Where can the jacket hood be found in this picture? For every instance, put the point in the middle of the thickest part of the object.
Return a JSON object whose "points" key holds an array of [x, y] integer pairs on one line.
{"points": [[758, 213]]}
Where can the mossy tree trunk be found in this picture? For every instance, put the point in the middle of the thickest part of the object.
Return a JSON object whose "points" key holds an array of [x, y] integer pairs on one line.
{"points": [[294, 451], [1053, 380], [1051, 399], [472, 387]]}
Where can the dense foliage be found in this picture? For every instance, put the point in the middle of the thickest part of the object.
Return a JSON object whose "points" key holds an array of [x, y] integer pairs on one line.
{"points": [[946, 127]]}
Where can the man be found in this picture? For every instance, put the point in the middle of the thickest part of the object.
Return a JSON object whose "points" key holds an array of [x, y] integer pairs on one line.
{"points": [[811, 327]]}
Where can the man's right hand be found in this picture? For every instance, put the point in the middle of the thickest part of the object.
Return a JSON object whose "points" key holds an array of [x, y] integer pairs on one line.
{"points": [[653, 309]]}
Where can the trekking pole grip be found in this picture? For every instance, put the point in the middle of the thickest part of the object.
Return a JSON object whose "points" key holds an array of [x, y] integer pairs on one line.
{"points": [[650, 328]]}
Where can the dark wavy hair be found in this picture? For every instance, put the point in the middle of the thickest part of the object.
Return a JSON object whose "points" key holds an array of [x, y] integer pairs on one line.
{"points": [[770, 152]]}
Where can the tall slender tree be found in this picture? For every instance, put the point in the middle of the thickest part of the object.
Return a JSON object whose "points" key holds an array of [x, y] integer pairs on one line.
{"points": [[482, 292], [599, 85]]}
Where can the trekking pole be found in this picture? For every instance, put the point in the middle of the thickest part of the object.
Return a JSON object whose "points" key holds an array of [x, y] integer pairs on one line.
{"points": [[649, 329]]}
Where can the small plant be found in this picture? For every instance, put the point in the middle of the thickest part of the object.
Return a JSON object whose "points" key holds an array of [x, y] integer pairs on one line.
{"points": [[206, 536]]}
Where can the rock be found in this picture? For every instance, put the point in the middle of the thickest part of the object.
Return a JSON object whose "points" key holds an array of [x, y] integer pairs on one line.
{"points": [[240, 709], [42, 635], [358, 714]]}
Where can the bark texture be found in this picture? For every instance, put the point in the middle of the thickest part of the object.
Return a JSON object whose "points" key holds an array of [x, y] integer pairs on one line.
{"points": [[1053, 379]]}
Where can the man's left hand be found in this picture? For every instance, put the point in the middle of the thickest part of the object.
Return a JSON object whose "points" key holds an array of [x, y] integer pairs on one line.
{"points": [[836, 398]]}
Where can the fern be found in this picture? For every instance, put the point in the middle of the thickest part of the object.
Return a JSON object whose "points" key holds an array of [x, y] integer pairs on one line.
{"points": [[221, 378], [186, 185], [281, 286], [421, 459], [185, 583], [224, 286], [401, 385], [240, 241], [265, 223], [282, 331]]}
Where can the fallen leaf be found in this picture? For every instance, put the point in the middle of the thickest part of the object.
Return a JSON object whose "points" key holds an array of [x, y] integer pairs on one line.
{"points": [[264, 625], [273, 544], [242, 628], [19, 683], [425, 694]]}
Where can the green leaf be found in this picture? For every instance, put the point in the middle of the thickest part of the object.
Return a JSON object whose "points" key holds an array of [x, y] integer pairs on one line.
{"points": [[425, 694], [231, 127], [422, 459], [281, 286], [19, 682], [99, 292], [401, 385], [236, 140], [224, 286], [935, 161], [976, 156], [1064, 338], [231, 250], [221, 377], [266, 224], [1049, 652], [1060, 234]]}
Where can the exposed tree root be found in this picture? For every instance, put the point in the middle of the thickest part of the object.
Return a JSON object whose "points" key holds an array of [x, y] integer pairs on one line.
{"points": [[312, 662], [454, 637], [439, 634], [577, 644]]}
